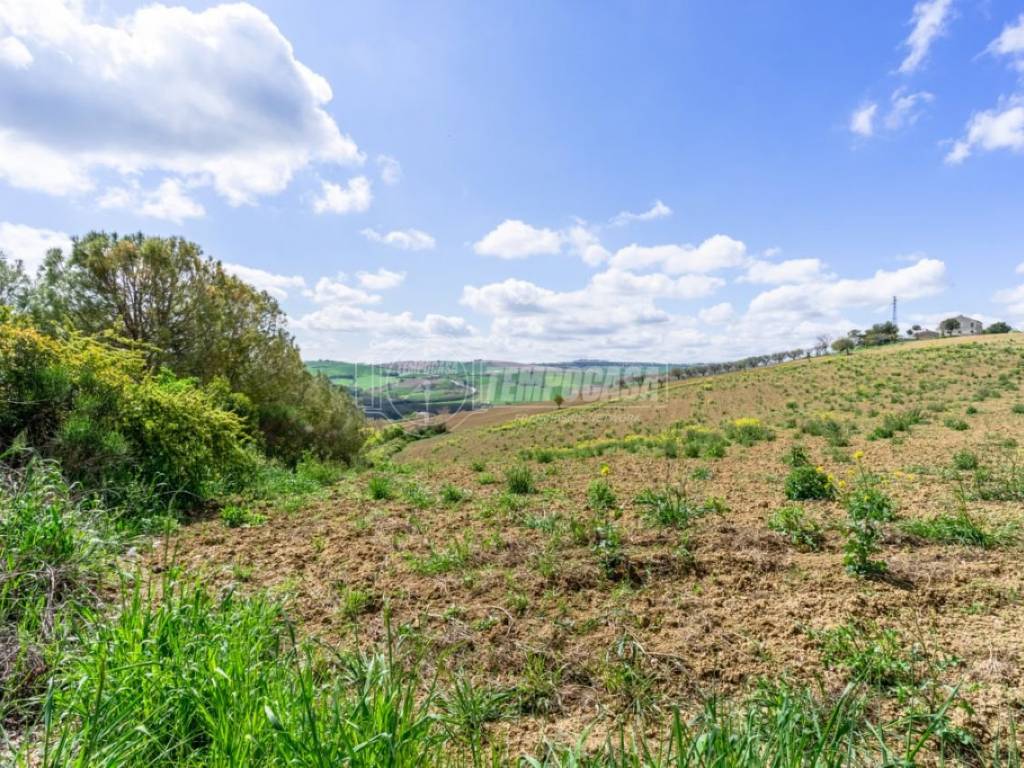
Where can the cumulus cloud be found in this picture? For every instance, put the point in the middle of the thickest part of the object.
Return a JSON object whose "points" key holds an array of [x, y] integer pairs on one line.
{"points": [[930, 20], [381, 280], [924, 278], [355, 197], [515, 239], [29, 245], [390, 169], [1011, 43], [406, 239], [276, 285], [344, 318], [862, 121], [585, 243], [216, 96], [657, 211], [337, 291], [998, 128], [168, 201], [780, 272], [717, 252]]}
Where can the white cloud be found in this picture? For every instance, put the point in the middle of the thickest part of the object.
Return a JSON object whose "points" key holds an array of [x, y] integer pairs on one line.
{"points": [[342, 318], [781, 272], [657, 211], [716, 315], [999, 128], [1020, 268], [168, 201], [930, 19], [276, 285], [14, 54], [1011, 43], [216, 95], [337, 291], [717, 252], [515, 239], [390, 169], [355, 197], [862, 121], [1013, 298], [29, 245], [584, 242], [905, 108], [406, 239], [381, 280], [925, 278]]}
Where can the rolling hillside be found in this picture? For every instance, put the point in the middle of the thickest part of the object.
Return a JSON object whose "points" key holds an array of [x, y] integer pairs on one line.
{"points": [[847, 520]]}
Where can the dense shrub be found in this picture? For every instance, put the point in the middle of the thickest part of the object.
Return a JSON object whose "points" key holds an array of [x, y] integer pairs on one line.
{"points": [[111, 422], [184, 312], [806, 482], [747, 431]]}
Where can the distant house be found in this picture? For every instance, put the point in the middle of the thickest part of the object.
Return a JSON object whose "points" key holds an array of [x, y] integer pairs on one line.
{"points": [[968, 326], [926, 334]]}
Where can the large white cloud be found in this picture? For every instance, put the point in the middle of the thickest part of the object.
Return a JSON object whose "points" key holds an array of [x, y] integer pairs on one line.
{"points": [[715, 253], [217, 96], [515, 239], [930, 19], [29, 245], [781, 272]]}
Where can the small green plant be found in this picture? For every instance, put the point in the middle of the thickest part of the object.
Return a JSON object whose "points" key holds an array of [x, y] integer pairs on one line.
{"points": [[792, 522], [867, 507], [956, 528], [519, 480], [1018, 408], [236, 517], [796, 456], [452, 494], [958, 425], [806, 483], [600, 496], [477, 466], [543, 455], [870, 654], [673, 507], [965, 460], [379, 487]]}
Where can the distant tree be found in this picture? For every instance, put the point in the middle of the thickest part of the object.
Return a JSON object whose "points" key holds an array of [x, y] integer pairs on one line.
{"points": [[822, 344], [677, 373], [949, 326], [998, 327], [845, 344], [13, 283], [881, 333], [558, 400]]}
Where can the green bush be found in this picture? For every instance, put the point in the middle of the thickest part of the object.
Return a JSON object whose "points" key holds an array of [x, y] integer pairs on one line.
{"points": [[111, 422], [965, 460], [379, 487], [747, 431], [805, 483]]}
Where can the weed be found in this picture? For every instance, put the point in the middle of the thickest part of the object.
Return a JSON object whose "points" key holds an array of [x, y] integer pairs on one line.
{"points": [[792, 522], [379, 487], [600, 496], [519, 480], [807, 482], [237, 517]]}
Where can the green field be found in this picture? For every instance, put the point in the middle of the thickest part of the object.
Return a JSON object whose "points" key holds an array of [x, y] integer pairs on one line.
{"points": [[395, 389]]}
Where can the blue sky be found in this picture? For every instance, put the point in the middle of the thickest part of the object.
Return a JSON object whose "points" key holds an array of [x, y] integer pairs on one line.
{"points": [[537, 180]]}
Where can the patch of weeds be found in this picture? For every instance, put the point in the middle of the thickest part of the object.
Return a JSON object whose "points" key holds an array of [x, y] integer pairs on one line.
{"points": [[600, 496], [486, 478], [673, 507], [1018, 408], [834, 431], [477, 466], [236, 517], [965, 460], [806, 483], [893, 423], [539, 682], [519, 480], [701, 474], [958, 425], [453, 557], [792, 522], [870, 654], [867, 507], [452, 494], [354, 602], [466, 709], [956, 528], [747, 431], [379, 487], [627, 677]]}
